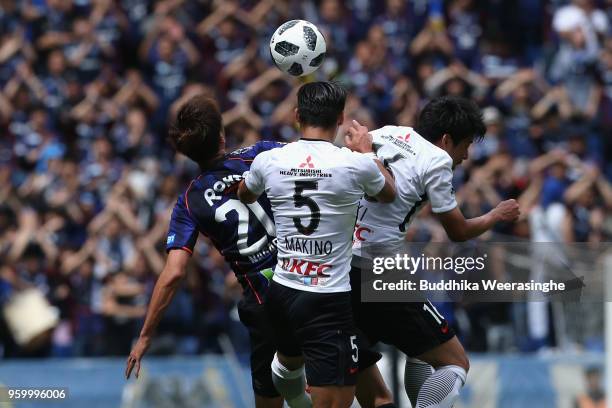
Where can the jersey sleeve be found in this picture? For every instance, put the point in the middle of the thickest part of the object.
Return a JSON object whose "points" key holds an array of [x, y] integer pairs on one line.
{"points": [[438, 182], [255, 178], [250, 152], [182, 232], [377, 141], [266, 145], [376, 133], [368, 175]]}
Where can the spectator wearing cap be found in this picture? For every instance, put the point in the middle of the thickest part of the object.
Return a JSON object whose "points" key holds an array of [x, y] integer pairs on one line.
{"points": [[574, 67]]}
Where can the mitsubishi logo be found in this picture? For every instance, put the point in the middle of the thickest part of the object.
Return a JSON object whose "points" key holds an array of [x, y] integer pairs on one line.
{"points": [[308, 163]]}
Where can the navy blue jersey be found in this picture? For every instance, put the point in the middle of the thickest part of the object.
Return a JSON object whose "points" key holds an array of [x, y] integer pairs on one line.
{"points": [[244, 234]]}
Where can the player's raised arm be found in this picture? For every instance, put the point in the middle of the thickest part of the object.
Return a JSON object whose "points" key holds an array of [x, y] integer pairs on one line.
{"points": [[164, 291], [460, 229], [439, 188], [359, 140]]}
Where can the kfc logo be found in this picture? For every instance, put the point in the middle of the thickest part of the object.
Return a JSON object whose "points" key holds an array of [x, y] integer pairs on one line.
{"points": [[360, 232], [306, 268]]}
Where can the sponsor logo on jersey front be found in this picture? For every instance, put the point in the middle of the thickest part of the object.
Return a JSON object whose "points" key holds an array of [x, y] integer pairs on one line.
{"points": [[306, 268], [361, 232]]}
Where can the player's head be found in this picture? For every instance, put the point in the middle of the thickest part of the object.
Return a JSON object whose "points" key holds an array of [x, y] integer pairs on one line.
{"points": [[451, 123], [321, 105], [593, 378], [198, 131]]}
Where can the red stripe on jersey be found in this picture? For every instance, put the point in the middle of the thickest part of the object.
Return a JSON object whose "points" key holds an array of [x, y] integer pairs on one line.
{"points": [[180, 249], [187, 192], [240, 158], [253, 289]]}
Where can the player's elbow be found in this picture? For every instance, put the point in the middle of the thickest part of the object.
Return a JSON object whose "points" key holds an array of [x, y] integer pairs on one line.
{"points": [[240, 194], [455, 225], [456, 231], [386, 198], [244, 195], [457, 235]]}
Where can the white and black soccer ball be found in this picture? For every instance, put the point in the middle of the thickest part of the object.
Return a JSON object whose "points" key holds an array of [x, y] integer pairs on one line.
{"points": [[297, 47]]}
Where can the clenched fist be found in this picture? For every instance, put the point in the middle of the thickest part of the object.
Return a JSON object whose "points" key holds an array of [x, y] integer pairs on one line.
{"points": [[358, 139], [507, 211]]}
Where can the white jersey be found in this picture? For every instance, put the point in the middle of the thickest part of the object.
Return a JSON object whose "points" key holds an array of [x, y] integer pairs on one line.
{"points": [[422, 171], [314, 188]]}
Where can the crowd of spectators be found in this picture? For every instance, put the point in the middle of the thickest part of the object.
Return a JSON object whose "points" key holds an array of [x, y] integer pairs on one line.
{"points": [[88, 88]]}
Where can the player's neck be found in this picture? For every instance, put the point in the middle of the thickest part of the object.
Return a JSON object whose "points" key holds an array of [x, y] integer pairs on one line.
{"points": [[315, 133], [209, 164]]}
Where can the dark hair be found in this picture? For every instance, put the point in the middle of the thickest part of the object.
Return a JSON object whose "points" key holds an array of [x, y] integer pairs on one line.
{"points": [[320, 104], [196, 132], [461, 118], [590, 371]]}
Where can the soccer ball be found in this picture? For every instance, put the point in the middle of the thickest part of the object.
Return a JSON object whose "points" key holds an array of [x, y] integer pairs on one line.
{"points": [[297, 47]]}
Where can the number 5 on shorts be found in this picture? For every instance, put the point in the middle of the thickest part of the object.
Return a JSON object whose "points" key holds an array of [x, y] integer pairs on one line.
{"points": [[354, 347]]}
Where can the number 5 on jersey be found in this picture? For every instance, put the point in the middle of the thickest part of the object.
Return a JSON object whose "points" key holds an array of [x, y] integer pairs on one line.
{"points": [[300, 201]]}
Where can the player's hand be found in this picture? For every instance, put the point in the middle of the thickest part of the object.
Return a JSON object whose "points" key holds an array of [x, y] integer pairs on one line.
{"points": [[140, 348], [507, 211], [358, 139]]}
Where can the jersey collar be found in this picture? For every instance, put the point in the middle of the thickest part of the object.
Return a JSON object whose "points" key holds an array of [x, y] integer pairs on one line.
{"points": [[314, 140]]}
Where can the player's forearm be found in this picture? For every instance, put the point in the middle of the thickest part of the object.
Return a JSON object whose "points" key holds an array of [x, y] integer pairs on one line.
{"points": [[388, 192], [475, 227], [163, 293], [385, 172]]}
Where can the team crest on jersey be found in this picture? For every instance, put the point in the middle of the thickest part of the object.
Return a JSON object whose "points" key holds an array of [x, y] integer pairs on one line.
{"points": [[308, 163], [170, 239]]}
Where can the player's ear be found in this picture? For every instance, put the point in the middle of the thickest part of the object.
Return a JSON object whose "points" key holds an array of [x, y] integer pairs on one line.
{"points": [[447, 141], [296, 114], [222, 140]]}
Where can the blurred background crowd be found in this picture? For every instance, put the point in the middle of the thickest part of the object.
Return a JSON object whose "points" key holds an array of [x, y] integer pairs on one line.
{"points": [[87, 179]]}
